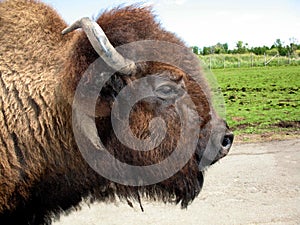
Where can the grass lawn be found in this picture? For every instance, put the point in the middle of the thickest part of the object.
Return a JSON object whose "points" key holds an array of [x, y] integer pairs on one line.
{"points": [[260, 100]]}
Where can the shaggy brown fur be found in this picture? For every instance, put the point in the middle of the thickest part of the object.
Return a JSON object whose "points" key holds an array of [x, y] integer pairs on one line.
{"points": [[41, 169]]}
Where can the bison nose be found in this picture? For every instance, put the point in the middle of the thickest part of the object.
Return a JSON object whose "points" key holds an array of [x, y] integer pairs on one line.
{"points": [[217, 147], [226, 144]]}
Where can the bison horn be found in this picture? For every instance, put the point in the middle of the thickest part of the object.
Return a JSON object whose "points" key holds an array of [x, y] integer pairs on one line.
{"points": [[102, 45]]}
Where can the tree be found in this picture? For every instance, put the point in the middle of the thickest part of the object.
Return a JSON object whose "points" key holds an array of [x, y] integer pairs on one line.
{"points": [[278, 43], [259, 50], [293, 45], [196, 50], [279, 46], [215, 49], [225, 47], [241, 48], [206, 50], [239, 45], [219, 48]]}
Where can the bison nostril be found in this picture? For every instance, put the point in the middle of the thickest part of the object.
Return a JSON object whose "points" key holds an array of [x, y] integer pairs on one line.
{"points": [[227, 141]]}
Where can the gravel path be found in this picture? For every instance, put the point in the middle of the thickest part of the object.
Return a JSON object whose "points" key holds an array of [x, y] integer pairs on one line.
{"points": [[255, 184]]}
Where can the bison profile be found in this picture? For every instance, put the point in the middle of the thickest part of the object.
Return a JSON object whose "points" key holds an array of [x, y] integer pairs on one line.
{"points": [[42, 169]]}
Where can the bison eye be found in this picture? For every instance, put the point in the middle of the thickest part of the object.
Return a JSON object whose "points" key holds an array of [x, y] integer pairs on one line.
{"points": [[167, 91]]}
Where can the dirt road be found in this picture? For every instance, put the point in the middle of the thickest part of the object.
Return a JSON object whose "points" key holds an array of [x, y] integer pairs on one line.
{"points": [[255, 184]]}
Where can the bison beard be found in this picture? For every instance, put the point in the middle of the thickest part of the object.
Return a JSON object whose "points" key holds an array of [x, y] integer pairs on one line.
{"points": [[42, 172]]}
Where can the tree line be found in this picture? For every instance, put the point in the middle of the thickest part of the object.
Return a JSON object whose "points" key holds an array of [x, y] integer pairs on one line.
{"points": [[292, 49]]}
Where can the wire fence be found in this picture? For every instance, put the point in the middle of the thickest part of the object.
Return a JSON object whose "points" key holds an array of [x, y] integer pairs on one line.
{"points": [[247, 60]]}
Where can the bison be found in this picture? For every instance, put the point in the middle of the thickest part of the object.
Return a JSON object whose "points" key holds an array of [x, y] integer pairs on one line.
{"points": [[43, 171]]}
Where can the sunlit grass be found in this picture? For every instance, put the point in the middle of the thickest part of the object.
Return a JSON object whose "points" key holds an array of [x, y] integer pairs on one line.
{"points": [[257, 99]]}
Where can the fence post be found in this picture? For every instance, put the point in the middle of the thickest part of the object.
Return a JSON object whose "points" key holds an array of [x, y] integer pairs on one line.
{"points": [[251, 59], [265, 59]]}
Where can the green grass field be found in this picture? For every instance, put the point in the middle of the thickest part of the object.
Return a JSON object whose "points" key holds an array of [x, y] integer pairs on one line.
{"points": [[261, 100]]}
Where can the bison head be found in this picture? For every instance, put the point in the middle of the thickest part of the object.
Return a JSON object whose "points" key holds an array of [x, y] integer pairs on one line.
{"points": [[143, 117]]}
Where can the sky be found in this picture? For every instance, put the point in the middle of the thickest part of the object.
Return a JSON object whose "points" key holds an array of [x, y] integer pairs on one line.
{"points": [[207, 22]]}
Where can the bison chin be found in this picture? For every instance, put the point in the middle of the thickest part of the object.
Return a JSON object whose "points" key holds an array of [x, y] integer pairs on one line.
{"points": [[182, 188]]}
